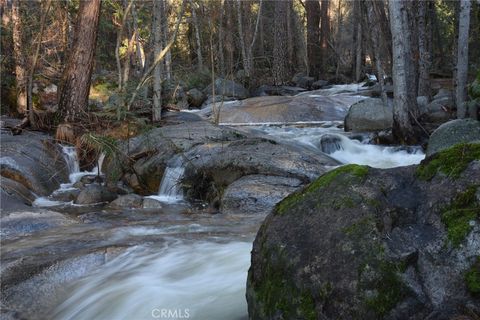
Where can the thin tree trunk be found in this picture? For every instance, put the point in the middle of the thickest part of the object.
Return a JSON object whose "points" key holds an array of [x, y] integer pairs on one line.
{"points": [[119, 42], [246, 65], [280, 54], [197, 36], [359, 53], [324, 35], [20, 60], [254, 39], [76, 79], [157, 72], [138, 45], [462, 58], [168, 57], [128, 57], [290, 42], [375, 41], [229, 45], [158, 58], [34, 64], [221, 54], [313, 37]]}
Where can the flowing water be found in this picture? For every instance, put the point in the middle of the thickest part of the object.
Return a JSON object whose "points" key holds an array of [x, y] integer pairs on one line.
{"points": [[198, 270], [170, 190]]}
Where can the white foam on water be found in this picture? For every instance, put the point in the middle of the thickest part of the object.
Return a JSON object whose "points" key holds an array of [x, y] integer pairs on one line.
{"points": [[353, 151], [205, 280], [44, 202], [170, 190]]}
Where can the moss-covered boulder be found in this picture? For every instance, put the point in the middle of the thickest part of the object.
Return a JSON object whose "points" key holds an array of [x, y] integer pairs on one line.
{"points": [[453, 132], [364, 243]]}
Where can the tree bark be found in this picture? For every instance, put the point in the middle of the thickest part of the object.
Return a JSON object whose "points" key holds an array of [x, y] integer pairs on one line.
{"points": [[404, 104], [157, 72], [462, 58], [76, 79], [423, 50], [280, 54], [324, 35], [246, 65], [20, 60], [198, 40], [312, 8]]}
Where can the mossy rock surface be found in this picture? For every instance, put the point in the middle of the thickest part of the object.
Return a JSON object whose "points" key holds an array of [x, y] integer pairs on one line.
{"points": [[365, 243]]}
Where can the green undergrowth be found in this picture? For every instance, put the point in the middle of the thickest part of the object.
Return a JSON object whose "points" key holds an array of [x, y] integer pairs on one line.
{"points": [[451, 162]]}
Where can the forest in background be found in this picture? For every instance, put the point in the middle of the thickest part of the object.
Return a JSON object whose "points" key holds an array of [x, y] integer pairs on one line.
{"points": [[250, 42]]}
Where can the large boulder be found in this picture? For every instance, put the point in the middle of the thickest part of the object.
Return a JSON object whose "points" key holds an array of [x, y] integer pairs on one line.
{"points": [[364, 243], [95, 193], [32, 160], [453, 132], [214, 166], [369, 115], [283, 109], [127, 201], [195, 98], [257, 194], [147, 155]]}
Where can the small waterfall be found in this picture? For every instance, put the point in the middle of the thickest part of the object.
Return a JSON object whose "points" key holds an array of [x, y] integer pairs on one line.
{"points": [[170, 190], [71, 158]]}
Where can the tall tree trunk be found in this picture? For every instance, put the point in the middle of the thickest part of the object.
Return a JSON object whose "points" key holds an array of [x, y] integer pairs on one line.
{"points": [[246, 65], [75, 87], [404, 97], [423, 50], [126, 11], [20, 60], [196, 25], [280, 54], [157, 72], [221, 54], [462, 58], [374, 33], [324, 35], [229, 45], [138, 45], [165, 34], [313, 37]]}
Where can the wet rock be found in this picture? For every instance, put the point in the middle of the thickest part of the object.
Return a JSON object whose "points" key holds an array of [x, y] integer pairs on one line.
{"points": [[127, 201], [369, 115], [17, 191], [155, 148], [372, 244], [91, 178], [149, 203], [436, 112], [453, 132], [25, 222], [65, 195], [319, 84], [218, 100], [257, 194], [32, 160], [282, 109], [195, 98], [212, 167], [305, 82], [266, 90], [95, 193]]}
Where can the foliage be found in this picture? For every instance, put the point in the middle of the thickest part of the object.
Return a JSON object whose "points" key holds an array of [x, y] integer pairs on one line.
{"points": [[472, 278], [451, 162]]}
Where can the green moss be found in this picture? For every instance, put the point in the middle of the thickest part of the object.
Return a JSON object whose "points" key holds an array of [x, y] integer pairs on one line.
{"points": [[277, 294], [472, 278], [457, 216], [323, 181], [361, 227], [389, 289], [451, 162]]}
